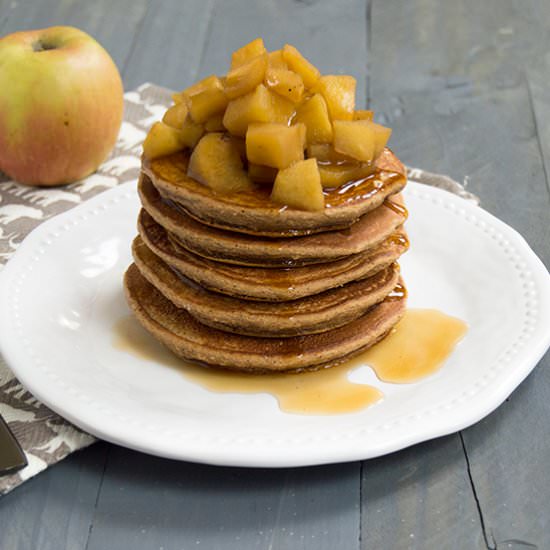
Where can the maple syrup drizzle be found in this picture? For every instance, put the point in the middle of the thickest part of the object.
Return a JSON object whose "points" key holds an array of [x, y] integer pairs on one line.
{"points": [[396, 207], [417, 347]]}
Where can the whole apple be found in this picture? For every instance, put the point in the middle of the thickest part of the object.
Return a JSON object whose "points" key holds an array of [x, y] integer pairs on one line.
{"points": [[61, 104]]}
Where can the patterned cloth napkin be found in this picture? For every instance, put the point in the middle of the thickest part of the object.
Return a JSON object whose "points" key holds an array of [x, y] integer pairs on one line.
{"points": [[45, 437]]}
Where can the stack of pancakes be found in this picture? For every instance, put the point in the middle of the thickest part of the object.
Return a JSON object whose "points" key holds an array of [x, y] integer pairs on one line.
{"points": [[238, 282]]}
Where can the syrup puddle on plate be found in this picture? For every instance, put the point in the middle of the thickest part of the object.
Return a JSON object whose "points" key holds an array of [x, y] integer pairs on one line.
{"points": [[415, 348]]}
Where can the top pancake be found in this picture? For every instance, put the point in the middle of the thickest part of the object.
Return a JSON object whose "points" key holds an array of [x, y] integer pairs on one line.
{"points": [[255, 214], [253, 250]]}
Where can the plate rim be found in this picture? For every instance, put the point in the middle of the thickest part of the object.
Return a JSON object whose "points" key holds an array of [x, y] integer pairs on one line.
{"points": [[218, 454]]}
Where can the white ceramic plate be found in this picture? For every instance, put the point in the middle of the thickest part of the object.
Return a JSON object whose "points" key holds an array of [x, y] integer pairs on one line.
{"points": [[61, 295]]}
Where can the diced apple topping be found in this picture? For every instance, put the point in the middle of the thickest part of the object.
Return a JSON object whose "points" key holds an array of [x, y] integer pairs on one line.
{"points": [[216, 162], [275, 145], [191, 132], [254, 124], [215, 123], [161, 140], [314, 114], [283, 110], [285, 83], [206, 98], [339, 93], [176, 115], [382, 135], [261, 105], [246, 77], [335, 175], [299, 64], [276, 60], [325, 153], [299, 186], [261, 173], [360, 139], [361, 114], [247, 52], [253, 107]]}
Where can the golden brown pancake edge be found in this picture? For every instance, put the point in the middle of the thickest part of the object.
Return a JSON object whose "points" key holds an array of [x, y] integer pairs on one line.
{"points": [[269, 284], [243, 249], [312, 314], [191, 340]]}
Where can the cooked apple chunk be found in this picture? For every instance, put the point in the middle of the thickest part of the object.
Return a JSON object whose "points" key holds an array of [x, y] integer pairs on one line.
{"points": [[285, 83], [206, 98], [245, 77], [275, 145], [276, 60], [247, 52], [215, 123], [334, 175], [299, 64], [362, 114], [162, 140], [314, 114], [261, 105], [325, 153], [299, 186], [216, 162], [339, 93], [382, 135], [191, 132], [261, 174], [177, 97], [360, 139], [175, 116], [282, 109]]}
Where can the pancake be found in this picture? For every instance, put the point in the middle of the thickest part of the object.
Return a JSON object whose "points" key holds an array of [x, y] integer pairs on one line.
{"points": [[194, 341], [313, 314], [253, 212], [243, 249], [256, 283]]}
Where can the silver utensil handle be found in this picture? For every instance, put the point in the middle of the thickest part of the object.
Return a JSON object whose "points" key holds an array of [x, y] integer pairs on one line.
{"points": [[12, 457]]}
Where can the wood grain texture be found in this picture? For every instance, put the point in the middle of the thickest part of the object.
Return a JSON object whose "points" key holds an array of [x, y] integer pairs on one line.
{"points": [[54, 510], [452, 83], [168, 46], [148, 502], [420, 498]]}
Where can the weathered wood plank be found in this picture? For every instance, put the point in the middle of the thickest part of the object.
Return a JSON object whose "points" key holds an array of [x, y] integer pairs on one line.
{"points": [[420, 498], [113, 25], [537, 83], [148, 502], [54, 510], [169, 44], [509, 451], [450, 80]]}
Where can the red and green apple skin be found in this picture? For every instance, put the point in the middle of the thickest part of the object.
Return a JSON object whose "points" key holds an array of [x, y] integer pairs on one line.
{"points": [[61, 105]]}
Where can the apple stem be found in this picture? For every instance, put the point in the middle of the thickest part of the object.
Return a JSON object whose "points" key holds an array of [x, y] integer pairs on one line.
{"points": [[40, 46]]}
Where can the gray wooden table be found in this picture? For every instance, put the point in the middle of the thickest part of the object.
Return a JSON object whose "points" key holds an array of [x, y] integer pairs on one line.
{"points": [[466, 87]]}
